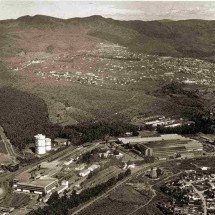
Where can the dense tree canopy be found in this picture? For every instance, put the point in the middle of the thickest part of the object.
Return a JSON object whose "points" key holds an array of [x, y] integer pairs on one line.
{"points": [[22, 115]]}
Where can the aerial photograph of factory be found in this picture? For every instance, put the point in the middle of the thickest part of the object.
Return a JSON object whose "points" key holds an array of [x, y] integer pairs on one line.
{"points": [[107, 107]]}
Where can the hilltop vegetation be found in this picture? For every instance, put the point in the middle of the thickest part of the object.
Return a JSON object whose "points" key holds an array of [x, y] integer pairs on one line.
{"points": [[185, 38]]}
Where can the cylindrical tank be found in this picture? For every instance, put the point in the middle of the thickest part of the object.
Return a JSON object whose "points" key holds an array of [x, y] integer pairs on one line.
{"points": [[40, 144], [48, 144]]}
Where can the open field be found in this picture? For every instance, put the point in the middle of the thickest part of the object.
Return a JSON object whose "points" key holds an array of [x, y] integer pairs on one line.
{"points": [[122, 201]]}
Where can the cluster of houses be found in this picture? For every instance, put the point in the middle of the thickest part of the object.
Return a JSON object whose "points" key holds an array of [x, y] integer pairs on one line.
{"points": [[195, 191], [167, 122]]}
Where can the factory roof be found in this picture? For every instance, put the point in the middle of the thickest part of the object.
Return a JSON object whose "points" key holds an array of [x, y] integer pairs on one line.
{"points": [[152, 139], [41, 182]]}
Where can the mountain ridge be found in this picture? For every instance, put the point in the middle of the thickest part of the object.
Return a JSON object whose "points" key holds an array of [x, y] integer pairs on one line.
{"points": [[183, 38]]}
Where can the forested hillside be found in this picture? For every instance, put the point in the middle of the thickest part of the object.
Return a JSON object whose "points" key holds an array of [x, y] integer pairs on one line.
{"points": [[22, 115]]}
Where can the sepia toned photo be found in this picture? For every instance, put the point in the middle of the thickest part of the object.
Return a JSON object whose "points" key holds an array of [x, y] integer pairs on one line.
{"points": [[107, 107]]}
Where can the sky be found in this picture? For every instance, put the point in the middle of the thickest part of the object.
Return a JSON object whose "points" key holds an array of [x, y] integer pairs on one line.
{"points": [[122, 10]]}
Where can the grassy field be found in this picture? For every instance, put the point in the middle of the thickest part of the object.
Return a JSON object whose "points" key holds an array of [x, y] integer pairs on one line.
{"points": [[122, 201]]}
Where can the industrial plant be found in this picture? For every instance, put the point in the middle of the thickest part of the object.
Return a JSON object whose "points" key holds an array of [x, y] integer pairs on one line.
{"points": [[163, 146], [42, 144]]}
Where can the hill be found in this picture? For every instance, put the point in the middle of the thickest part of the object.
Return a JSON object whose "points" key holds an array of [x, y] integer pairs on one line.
{"points": [[185, 38], [98, 68]]}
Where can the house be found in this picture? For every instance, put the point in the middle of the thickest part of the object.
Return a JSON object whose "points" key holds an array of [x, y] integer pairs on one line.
{"points": [[93, 167], [84, 173], [80, 167]]}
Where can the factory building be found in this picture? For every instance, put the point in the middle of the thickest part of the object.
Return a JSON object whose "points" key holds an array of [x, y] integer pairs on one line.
{"points": [[165, 137], [42, 144], [145, 150], [40, 186], [90, 169], [163, 146]]}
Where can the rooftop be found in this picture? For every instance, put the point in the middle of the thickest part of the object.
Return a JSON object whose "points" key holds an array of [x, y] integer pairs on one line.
{"points": [[152, 139], [42, 182]]}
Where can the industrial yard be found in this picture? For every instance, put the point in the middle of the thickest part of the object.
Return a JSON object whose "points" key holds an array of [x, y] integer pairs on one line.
{"points": [[83, 167], [115, 169]]}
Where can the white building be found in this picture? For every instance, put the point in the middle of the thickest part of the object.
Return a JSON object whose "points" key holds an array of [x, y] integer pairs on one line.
{"points": [[93, 167], [48, 144], [84, 173], [69, 162], [40, 144]]}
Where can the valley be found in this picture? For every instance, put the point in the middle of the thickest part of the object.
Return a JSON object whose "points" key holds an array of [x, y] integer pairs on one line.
{"points": [[100, 112]]}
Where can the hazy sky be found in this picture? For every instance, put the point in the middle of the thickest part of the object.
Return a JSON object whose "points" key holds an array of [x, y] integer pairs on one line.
{"points": [[123, 10]]}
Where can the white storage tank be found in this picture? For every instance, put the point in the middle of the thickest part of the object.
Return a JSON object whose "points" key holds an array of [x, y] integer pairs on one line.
{"points": [[40, 143], [48, 144]]}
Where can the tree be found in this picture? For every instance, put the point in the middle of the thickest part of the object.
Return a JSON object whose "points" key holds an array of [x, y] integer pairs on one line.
{"points": [[127, 172], [54, 199]]}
